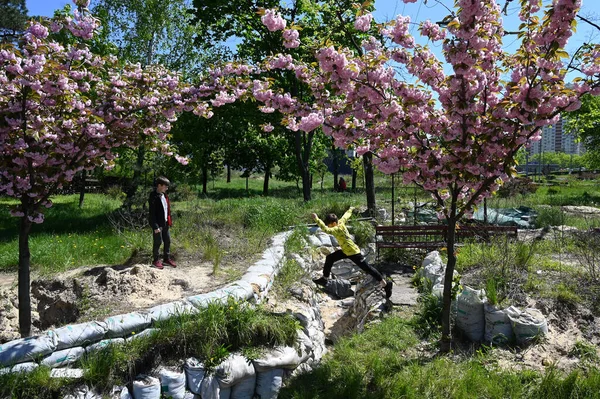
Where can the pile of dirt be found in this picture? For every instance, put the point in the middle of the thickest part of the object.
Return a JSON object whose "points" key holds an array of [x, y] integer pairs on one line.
{"points": [[97, 292]]}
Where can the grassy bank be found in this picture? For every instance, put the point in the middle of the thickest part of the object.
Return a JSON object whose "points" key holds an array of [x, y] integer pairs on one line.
{"points": [[388, 361]]}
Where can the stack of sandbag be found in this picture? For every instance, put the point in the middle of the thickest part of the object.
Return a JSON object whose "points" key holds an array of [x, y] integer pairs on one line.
{"points": [[234, 378], [470, 317], [273, 366], [127, 324], [527, 325], [26, 349]]}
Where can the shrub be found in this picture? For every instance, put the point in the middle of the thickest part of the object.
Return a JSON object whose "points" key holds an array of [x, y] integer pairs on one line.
{"points": [[518, 185], [182, 192], [549, 216], [364, 233]]}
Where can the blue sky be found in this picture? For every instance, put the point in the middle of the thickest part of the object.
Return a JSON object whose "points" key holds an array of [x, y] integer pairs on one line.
{"points": [[419, 11]]}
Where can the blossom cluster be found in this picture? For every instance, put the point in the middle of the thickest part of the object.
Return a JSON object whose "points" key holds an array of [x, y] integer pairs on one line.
{"points": [[273, 20]]}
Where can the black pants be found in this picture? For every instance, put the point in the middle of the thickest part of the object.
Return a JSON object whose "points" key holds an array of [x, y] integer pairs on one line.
{"points": [[160, 237], [358, 259]]}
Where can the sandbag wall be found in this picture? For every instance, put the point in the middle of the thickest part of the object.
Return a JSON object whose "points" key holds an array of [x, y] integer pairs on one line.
{"points": [[479, 320], [62, 347]]}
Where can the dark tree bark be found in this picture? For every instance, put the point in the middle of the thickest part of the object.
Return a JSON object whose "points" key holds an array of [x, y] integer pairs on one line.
{"points": [[302, 147], [370, 183], [228, 173], [82, 188], [24, 277], [137, 176], [354, 180], [205, 179], [266, 181], [336, 167], [450, 266]]}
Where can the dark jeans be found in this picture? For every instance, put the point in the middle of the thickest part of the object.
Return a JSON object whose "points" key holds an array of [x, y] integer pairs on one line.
{"points": [[358, 259], [160, 237]]}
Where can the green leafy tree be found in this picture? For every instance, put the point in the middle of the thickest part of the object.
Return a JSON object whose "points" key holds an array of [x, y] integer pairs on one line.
{"points": [[13, 19], [585, 123]]}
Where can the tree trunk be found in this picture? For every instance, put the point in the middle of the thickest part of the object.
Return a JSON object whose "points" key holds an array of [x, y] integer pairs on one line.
{"points": [[450, 238], [369, 183], [82, 188], [137, 175], [354, 174], [335, 167], [266, 181], [24, 277], [205, 179], [302, 147], [228, 173]]}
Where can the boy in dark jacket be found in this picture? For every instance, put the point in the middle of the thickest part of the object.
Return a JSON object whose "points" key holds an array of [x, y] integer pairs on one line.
{"points": [[160, 221]]}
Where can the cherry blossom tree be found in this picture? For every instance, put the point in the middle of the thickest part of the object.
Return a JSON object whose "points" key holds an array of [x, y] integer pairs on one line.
{"points": [[453, 127], [64, 110]]}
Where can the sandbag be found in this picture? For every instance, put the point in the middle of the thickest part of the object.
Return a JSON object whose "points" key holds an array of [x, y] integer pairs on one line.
{"points": [[146, 333], [431, 257], [527, 325], [172, 383], [283, 357], [146, 387], [119, 392], [126, 324], [24, 367], [265, 267], [83, 393], [172, 309], [435, 272], [26, 349], [268, 383], [244, 389], [240, 290], [261, 282], [103, 344], [339, 287], [470, 316], [63, 357], [194, 374], [79, 334], [211, 389], [233, 369], [498, 327], [202, 301]]}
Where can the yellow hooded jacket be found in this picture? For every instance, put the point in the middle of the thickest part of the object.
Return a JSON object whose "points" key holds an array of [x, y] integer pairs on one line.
{"points": [[341, 234]]}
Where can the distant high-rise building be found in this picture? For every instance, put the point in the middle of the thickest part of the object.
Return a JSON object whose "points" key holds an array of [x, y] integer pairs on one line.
{"points": [[555, 139]]}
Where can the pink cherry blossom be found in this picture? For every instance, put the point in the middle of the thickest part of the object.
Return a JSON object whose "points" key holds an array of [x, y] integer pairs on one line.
{"points": [[363, 22], [273, 20]]}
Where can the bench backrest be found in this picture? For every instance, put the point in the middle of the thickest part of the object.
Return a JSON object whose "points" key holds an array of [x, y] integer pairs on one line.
{"points": [[476, 231]]}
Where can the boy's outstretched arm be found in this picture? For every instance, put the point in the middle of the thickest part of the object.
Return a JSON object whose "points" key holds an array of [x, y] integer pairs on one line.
{"points": [[347, 215]]}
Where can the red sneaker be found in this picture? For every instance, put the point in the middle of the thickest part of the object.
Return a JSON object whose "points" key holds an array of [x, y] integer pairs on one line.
{"points": [[157, 264], [170, 262]]}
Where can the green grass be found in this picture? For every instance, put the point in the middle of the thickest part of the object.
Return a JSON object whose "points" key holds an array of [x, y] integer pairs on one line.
{"points": [[382, 363], [209, 336]]}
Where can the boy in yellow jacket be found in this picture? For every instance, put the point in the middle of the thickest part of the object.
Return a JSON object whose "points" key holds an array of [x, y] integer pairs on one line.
{"points": [[337, 228]]}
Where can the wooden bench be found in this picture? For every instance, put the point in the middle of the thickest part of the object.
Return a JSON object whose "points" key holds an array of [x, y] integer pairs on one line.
{"points": [[432, 237]]}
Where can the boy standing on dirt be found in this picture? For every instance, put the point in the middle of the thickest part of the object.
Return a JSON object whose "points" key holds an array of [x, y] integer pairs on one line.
{"points": [[160, 220], [350, 250]]}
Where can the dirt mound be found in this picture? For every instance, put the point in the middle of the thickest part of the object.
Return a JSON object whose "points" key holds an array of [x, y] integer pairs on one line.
{"points": [[94, 293]]}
